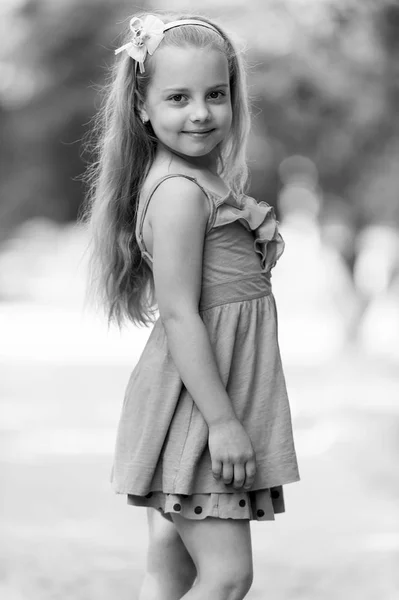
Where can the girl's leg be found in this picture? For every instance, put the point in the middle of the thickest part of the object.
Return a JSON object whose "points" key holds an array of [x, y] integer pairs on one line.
{"points": [[170, 568], [222, 553]]}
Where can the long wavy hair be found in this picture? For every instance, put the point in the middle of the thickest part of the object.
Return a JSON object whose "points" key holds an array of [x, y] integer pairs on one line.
{"points": [[123, 150]]}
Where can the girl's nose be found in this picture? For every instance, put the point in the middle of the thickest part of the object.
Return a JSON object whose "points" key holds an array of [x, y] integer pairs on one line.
{"points": [[200, 112]]}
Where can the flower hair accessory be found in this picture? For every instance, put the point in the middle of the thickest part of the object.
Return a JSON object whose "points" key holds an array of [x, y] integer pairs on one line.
{"points": [[148, 33]]}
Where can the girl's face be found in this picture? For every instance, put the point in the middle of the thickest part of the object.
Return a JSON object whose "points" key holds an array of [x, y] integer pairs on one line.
{"points": [[188, 101]]}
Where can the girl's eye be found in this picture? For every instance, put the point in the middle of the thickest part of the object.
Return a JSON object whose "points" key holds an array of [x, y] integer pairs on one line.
{"points": [[177, 98], [180, 98], [216, 95]]}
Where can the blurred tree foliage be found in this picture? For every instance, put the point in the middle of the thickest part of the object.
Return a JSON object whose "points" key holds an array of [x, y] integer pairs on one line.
{"points": [[323, 77]]}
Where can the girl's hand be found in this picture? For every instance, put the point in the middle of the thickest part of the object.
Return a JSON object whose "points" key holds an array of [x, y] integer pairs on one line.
{"points": [[232, 454]]}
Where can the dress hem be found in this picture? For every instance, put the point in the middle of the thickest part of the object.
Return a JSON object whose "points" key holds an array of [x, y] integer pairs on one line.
{"points": [[260, 505]]}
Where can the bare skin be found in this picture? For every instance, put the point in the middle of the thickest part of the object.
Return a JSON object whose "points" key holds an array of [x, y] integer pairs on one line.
{"points": [[222, 553], [197, 560], [170, 569]]}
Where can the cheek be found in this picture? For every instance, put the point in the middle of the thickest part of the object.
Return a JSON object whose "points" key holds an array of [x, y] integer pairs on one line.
{"points": [[227, 117], [168, 119]]}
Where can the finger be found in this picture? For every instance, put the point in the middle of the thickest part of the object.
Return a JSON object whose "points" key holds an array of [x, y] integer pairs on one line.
{"points": [[250, 472], [228, 473], [239, 476], [216, 468]]}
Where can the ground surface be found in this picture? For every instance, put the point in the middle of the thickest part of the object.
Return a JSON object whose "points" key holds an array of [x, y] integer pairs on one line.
{"points": [[66, 535]]}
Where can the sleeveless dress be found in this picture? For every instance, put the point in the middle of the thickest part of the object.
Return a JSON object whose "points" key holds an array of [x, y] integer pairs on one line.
{"points": [[161, 455]]}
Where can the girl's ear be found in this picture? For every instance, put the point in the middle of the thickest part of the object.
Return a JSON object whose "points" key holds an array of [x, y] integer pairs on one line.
{"points": [[143, 115]]}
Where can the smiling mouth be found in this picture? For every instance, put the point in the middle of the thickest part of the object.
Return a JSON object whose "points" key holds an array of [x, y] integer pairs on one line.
{"points": [[199, 132]]}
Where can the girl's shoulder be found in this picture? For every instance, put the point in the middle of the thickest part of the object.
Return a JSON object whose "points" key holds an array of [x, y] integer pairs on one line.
{"points": [[177, 178], [154, 180], [176, 188]]}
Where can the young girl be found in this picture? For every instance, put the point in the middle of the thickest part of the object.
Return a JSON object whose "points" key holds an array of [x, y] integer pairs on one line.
{"points": [[205, 437]]}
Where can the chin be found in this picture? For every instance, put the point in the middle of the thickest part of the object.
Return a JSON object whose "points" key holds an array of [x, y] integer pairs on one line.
{"points": [[198, 153], [190, 152], [199, 150]]}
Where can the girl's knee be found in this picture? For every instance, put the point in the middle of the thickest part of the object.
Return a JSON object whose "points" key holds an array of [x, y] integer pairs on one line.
{"points": [[222, 552], [230, 584], [227, 583], [245, 583]]}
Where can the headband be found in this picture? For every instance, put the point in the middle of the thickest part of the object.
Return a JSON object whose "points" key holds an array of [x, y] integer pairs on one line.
{"points": [[149, 32]]}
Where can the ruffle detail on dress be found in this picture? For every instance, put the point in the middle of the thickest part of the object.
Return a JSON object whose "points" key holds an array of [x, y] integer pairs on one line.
{"points": [[261, 219], [257, 505]]}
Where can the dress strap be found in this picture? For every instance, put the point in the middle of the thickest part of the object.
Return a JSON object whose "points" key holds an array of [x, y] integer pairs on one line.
{"points": [[140, 220]]}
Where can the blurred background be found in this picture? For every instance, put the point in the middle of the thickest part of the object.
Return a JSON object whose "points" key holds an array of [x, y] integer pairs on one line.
{"points": [[324, 150]]}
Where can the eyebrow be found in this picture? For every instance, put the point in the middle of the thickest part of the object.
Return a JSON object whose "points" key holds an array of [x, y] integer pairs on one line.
{"points": [[184, 89]]}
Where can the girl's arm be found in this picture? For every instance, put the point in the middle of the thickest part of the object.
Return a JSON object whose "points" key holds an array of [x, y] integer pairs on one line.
{"points": [[179, 214]]}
